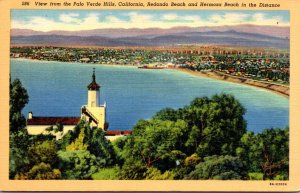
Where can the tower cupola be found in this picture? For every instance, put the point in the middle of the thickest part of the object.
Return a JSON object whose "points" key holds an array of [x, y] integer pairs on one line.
{"points": [[93, 85]]}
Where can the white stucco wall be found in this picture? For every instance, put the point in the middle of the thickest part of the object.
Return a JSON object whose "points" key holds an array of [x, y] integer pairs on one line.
{"points": [[112, 138], [41, 129], [93, 98], [99, 113]]}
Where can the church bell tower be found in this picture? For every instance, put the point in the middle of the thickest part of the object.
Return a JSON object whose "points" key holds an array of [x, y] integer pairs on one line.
{"points": [[93, 111], [93, 92]]}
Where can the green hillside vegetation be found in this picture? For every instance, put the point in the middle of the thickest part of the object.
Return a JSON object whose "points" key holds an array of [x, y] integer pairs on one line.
{"points": [[206, 139]]}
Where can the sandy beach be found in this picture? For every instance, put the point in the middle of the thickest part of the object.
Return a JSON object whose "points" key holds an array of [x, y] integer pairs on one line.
{"points": [[275, 88]]}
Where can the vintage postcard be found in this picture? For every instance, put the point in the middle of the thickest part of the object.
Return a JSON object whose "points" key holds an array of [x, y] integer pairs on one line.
{"points": [[149, 95]]}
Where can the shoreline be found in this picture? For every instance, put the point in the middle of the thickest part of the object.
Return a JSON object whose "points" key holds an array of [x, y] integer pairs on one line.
{"points": [[116, 65], [271, 87], [274, 88]]}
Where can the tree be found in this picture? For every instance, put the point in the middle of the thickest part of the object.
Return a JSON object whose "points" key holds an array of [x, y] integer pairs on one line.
{"points": [[18, 156], [275, 151], [133, 169], [156, 142], [91, 139], [221, 124], [19, 140], [79, 164], [153, 173], [38, 160], [249, 152], [205, 127], [107, 174], [57, 128], [191, 161], [218, 168], [78, 144], [40, 171], [71, 135], [118, 145], [187, 166], [166, 114], [101, 148], [215, 125], [194, 139], [266, 153], [84, 151], [43, 151], [18, 100]]}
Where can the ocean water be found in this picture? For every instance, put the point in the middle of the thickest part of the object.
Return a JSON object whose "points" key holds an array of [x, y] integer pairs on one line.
{"points": [[60, 89]]}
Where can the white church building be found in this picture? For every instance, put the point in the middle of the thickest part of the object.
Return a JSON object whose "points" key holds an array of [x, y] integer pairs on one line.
{"points": [[93, 112]]}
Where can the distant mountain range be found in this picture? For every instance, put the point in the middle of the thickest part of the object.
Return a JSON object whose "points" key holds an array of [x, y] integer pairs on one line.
{"points": [[240, 35]]}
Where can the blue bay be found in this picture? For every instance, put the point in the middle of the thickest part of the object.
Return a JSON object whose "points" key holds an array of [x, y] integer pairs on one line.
{"points": [[60, 89]]}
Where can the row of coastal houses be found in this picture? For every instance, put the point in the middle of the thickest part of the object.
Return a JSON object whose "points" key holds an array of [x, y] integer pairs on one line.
{"points": [[93, 112]]}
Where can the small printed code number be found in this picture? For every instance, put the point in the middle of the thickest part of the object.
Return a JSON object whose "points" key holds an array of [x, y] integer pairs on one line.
{"points": [[278, 184], [26, 3]]}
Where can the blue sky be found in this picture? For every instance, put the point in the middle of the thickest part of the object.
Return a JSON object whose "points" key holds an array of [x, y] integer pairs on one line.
{"points": [[72, 20]]}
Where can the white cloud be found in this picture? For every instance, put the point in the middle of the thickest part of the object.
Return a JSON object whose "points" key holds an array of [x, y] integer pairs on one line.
{"points": [[113, 19], [35, 23], [140, 18], [69, 18], [93, 20], [236, 17], [242, 18], [262, 18], [229, 18], [258, 17], [216, 18], [192, 18], [40, 20], [170, 17]]}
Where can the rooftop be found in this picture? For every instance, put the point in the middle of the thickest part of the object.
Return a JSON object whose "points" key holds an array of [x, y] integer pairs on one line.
{"points": [[113, 133], [93, 85], [53, 120]]}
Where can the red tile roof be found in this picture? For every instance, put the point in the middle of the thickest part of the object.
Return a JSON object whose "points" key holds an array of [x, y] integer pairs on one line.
{"points": [[93, 86], [112, 133], [53, 120]]}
